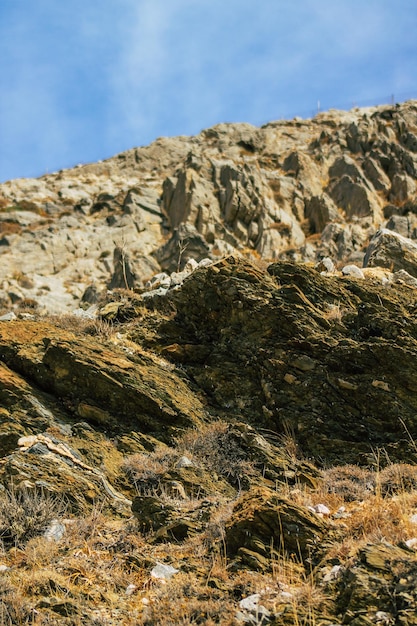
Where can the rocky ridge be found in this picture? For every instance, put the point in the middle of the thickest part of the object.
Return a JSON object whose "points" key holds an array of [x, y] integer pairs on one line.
{"points": [[297, 190], [214, 437]]}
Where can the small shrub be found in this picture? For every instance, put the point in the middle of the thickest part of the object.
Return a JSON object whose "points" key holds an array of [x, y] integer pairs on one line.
{"points": [[350, 482], [25, 514], [217, 448], [146, 471], [397, 478], [79, 324]]}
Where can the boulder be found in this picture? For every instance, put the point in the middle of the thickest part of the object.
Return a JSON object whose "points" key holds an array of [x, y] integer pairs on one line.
{"points": [[393, 251], [376, 175], [266, 526], [400, 224], [403, 188], [105, 387], [346, 166], [320, 210], [240, 334], [185, 243]]}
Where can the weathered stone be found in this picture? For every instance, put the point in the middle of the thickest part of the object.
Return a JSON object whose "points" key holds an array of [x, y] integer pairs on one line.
{"points": [[185, 244], [353, 198], [268, 524], [306, 171], [401, 224], [376, 175], [366, 589], [403, 187], [393, 251], [320, 210], [113, 385], [346, 166], [353, 270]]}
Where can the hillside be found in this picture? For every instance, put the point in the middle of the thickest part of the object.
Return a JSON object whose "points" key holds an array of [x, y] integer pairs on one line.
{"points": [[207, 379], [293, 190]]}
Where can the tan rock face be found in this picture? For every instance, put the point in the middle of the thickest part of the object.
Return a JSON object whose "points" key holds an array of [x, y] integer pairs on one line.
{"points": [[263, 190]]}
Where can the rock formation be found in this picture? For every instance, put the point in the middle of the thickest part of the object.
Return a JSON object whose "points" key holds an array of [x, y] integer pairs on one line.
{"points": [[297, 190], [212, 341]]}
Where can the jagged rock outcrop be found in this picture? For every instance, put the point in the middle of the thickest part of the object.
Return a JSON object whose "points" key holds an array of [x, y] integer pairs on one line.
{"points": [[202, 411], [288, 350], [270, 191], [291, 348], [237, 390], [392, 250]]}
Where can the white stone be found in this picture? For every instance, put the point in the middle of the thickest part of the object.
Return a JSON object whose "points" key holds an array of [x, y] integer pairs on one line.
{"points": [[334, 574], [184, 461], [164, 572], [321, 509], [250, 603], [353, 270], [130, 589], [8, 317], [383, 618], [159, 280], [55, 531], [191, 265]]}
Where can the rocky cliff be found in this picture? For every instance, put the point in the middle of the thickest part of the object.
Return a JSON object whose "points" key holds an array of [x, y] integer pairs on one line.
{"points": [[207, 379], [296, 190]]}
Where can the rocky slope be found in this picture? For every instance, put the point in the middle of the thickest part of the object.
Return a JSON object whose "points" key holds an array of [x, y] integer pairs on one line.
{"points": [[235, 441], [229, 415], [295, 190]]}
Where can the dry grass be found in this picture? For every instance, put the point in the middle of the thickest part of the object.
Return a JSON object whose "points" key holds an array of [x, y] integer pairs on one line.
{"points": [[217, 449], [25, 514], [102, 329], [99, 573], [146, 471]]}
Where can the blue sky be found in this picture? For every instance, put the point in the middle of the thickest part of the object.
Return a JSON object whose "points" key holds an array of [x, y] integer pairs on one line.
{"points": [[83, 80]]}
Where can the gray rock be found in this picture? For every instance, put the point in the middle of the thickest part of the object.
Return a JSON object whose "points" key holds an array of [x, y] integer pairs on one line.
{"points": [[353, 198], [393, 251], [252, 611], [404, 278], [184, 461], [8, 317], [320, 210], [346, 166], [186, 243], [325, 265], [376, 175], [353, 270], [159, 280], [401, 224], [55, 531], [403, 187]]}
